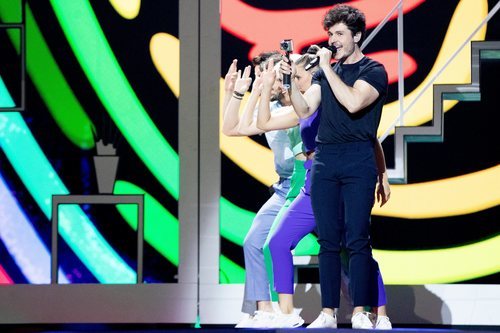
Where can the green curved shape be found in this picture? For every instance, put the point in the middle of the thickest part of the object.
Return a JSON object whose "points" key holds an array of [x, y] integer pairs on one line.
{"points": [[42, 181], [161, 230], [235, 221], [49, 80], [5, 99], [230, 272], [108, 80]]}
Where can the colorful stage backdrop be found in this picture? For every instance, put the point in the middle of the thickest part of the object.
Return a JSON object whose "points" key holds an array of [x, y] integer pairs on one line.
{"points": [[109, 70]]}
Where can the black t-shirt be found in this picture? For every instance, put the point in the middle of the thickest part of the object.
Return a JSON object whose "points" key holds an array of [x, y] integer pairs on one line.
{"points": [[337, 125]]}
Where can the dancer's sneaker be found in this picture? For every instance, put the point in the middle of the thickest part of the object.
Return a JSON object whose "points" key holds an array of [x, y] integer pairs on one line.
{"points": [[361, 320], [245, 322], [263, 319], [383, 323], [288, 320], [324, 320]]}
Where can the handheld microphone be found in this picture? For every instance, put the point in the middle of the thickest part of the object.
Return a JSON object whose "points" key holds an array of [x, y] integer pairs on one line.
{"points": [[287, 46], [315, 61]]}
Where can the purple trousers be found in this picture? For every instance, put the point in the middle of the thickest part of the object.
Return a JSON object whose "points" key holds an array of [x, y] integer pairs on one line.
{"points": [[297, 222]]}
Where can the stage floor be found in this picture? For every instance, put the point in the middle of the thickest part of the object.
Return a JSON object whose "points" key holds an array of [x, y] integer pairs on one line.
{"points": [[74, 328]]}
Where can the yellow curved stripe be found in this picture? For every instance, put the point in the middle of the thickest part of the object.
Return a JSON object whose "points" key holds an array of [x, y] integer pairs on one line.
{"points": [[165, 52], [256, 160], [467, 17], [446, 197], [128, 9], [440, 266]]}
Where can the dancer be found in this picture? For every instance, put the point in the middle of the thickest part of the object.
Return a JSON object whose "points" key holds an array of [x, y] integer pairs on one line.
{"points": [[257, 303], [351, 94]]}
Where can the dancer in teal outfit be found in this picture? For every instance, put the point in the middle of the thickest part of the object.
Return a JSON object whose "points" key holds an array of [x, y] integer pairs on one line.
{"points": [[257, 302]]}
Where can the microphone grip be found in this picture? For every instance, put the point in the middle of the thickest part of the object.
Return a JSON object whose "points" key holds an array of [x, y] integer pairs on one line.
{"points": [[287, 78], [315, 61]]}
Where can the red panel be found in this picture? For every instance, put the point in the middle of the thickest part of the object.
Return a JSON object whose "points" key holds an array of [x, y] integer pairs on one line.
{"points": [[266, 28], [4, 277]]}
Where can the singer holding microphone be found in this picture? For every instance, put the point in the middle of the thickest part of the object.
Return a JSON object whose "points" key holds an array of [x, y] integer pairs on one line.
{"points": [[351, 94]]}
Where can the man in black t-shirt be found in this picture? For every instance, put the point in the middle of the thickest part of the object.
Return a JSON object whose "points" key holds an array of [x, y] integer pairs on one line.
{"points": [[351, 94]]}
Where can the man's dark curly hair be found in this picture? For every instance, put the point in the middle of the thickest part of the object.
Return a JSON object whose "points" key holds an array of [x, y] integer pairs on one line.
{"points": [[352, 17]]}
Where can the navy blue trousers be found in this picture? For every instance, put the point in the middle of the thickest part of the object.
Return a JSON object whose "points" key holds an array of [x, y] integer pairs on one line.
{"points": [[345, 173]]}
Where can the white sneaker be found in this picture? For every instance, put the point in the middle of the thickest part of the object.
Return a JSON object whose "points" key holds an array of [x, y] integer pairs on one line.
{"points": [[263, 319], [362, 320], [245, 322], [324, 320], [288, 320], [383, 323]]}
